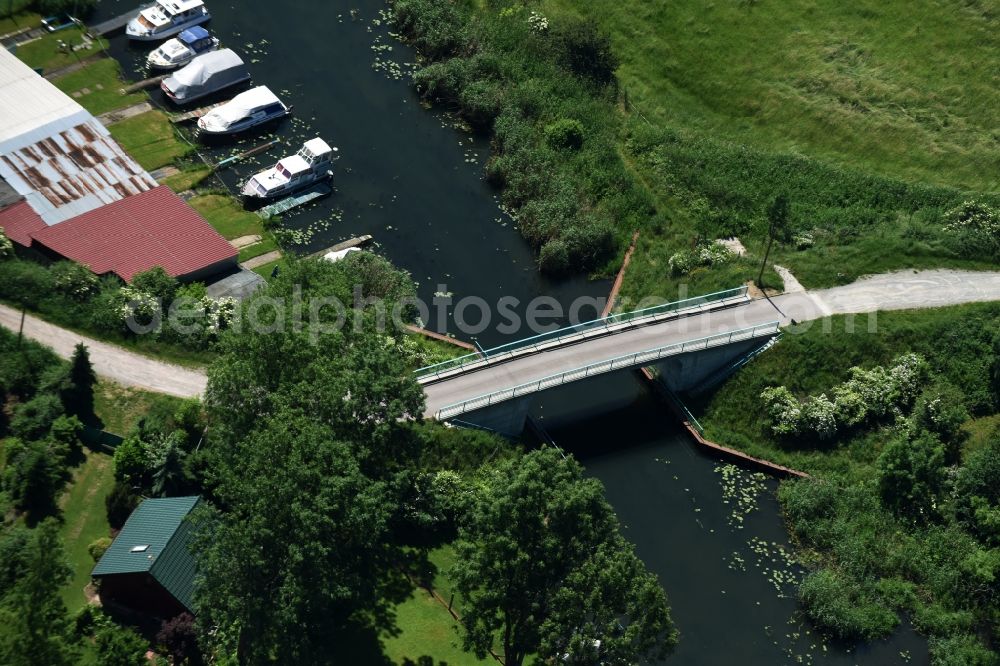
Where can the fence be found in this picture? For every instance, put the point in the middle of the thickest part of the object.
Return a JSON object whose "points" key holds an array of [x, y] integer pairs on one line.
{"points": [[594, 328], [601, 367]]}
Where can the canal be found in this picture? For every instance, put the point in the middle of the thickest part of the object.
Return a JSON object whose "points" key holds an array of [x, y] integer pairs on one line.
{"points": [[713, 534]]}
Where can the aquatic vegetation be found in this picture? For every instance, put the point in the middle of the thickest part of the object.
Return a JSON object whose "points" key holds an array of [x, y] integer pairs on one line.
{"points": [[740, 489]]}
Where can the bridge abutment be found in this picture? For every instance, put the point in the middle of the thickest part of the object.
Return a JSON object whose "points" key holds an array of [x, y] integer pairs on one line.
{"points": [[507, 418], [687, 371]]}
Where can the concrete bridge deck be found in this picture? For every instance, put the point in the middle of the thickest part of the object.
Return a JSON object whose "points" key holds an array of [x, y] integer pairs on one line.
{"points": [[506, 374]]}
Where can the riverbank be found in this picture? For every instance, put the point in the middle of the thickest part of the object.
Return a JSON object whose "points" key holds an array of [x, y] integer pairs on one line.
{"points": [[863, 582]]}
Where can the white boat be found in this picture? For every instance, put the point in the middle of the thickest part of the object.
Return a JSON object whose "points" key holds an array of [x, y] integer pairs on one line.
{"points": [[248, 109], [182, 49], [207, 74], [309, 165], [166, 18]]}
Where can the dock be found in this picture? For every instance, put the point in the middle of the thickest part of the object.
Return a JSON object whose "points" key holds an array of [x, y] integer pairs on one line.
{"points": [[295, 201], [110, 26], [177, 118], [345, 245], [249, 153], [142, 85]]}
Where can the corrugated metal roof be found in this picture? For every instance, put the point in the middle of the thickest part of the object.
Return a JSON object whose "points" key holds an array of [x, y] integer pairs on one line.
{"points": [[19, 222], [54, 153], [156, 539], [155, 228]]}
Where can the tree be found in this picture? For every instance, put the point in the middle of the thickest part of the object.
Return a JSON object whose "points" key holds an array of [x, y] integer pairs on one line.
{"points": [[941, 410], [543, 566], [303, 542], [586, 50], [779, 228], [157, 283], [34, 624], [34, 476], [179, 638], [120, 646], [79, 401], [911, 474]]}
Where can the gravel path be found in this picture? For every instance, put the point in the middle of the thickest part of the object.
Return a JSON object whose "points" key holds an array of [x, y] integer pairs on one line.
{"points": [[119, 365]]}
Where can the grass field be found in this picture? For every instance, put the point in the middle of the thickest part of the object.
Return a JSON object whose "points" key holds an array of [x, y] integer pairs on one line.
{"points": [[84, 520], [227, 216], [188, 178], [149, 138], [19, 21], [44, 53], [102, 80], [891, 87], [839, 105]]}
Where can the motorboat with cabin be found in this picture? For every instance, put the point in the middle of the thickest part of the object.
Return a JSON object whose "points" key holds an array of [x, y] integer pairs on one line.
{"points": [[206, 74], [182, 49], [310, 165], [166, 18], [247, 110]]}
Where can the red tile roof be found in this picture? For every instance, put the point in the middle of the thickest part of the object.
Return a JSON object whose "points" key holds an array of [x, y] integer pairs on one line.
{"points": [[19, 222], [155, 228]]}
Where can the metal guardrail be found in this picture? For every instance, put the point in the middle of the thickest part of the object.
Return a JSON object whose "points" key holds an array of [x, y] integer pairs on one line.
{"points": [[609, 365], [596, 327]]}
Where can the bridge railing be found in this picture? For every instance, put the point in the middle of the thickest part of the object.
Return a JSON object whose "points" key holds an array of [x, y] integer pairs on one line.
{"points": [[596, 327], [601, 367]]}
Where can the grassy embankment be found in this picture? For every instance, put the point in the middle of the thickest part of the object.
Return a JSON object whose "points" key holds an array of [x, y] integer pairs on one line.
{"points": [[886, 537], [837, 104]]}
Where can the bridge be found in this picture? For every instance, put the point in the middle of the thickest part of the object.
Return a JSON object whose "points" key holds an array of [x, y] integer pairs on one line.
{"points": [[689, 340]]}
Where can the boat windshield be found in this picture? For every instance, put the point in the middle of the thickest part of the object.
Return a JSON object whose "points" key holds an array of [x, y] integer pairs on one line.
{"points": [[146, 23], [283, 171]]}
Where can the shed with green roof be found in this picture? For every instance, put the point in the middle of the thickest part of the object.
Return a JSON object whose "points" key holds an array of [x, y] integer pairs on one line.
{"points": [[149, 567]]}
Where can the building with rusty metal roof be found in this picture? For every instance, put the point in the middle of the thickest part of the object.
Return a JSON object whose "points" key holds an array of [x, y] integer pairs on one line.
{"points": [[54, 153]]}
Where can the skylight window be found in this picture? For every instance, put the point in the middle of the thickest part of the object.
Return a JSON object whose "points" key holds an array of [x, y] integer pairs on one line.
{"points": [[140, 549]]}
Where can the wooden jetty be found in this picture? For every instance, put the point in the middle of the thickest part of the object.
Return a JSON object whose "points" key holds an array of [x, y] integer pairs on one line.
{"points": [[295, 201], [117, 23], [142, 85], [345, 245], [194, 114], [242, 156]]}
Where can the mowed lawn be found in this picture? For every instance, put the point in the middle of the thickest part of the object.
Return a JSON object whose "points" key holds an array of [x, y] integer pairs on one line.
{"points": [[98, 87], [910, 90], [85, 520], [149, 138], [227, 216]]}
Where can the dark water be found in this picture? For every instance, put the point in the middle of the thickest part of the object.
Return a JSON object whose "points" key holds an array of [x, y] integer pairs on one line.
{"points": [[730, 582], [415, 183], [405, 176]]}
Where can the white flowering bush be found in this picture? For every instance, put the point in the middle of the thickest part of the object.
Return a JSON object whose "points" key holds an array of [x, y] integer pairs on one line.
{"points": [[706, 254], [219, 313], [137, 305], [868, 394], [974, 216], [783, 410], [803, 241], [6, 245], [819, 417], [75, 281], [538, 23]]}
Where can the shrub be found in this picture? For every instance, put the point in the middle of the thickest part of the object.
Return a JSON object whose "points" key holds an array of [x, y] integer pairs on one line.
{"points": [[819, 417], [157, 283], [940, 409], [586, 51], [436, 29], [119, 504], [554, 257], [783, 411], [6, 245], [33, 419], [78, 8], [75, 281], [481, 101], [565, 133], [838, 604], [179, 636], [962, 650], [98, 547], [911, 474]]}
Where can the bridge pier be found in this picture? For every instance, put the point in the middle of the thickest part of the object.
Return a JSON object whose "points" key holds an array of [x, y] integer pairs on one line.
{"points": [[507, 418], [687, 371]]}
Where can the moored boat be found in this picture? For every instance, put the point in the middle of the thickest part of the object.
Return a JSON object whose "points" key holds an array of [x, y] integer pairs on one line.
{"points": [[208, 73], [182, 49], [309, 165], [245, 111], [166, 18]]}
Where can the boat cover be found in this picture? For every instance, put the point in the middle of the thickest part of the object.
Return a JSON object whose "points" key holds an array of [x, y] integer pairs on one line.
{"points": [[193, 35], [207, 73], [244, 104]]}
